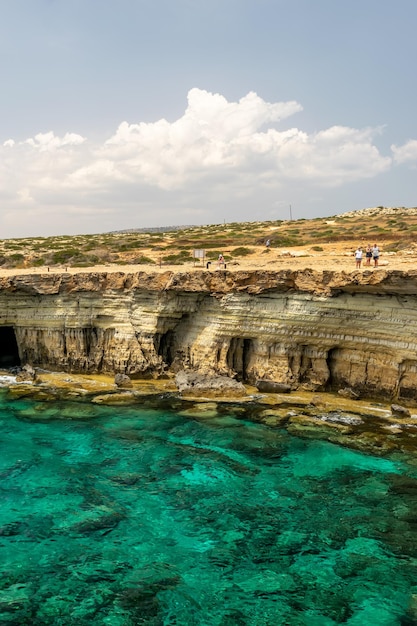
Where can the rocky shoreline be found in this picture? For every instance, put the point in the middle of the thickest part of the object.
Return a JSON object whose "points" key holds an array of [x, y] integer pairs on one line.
{"points": [[306, 329], [364, 425], [335, 351]]}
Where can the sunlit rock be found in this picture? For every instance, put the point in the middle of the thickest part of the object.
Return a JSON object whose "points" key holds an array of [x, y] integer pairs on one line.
{"points": [[122, 381], [306, 329], [194, 383], [400, 411]]}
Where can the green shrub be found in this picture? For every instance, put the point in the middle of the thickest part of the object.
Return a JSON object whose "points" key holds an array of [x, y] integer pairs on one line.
{"points": [[402, 226], [241, 251], [12, 245], [317, 248], [143, 260], [281, 242], [178, 259], [214, 255], [93, 259], [63, 256]]}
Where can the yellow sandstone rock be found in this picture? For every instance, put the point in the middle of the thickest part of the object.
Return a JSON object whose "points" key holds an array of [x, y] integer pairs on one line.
{"points": [[312, 330]]}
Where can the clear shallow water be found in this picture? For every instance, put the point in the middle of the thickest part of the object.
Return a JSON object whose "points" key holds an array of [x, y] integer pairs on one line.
{"points": [[127, 516]]}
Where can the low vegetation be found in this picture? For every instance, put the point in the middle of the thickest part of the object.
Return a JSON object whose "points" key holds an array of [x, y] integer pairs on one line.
{"points": [[395, 229]]}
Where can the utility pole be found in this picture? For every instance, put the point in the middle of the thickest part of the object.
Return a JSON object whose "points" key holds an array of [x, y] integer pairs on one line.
{"points": [[290, 213]]}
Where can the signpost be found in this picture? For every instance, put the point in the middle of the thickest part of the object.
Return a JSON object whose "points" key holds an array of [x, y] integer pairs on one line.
{"points": [[199, 254]]}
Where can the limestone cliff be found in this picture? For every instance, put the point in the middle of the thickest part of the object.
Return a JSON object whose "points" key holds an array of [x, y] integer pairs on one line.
{"points": [[321, 330]]}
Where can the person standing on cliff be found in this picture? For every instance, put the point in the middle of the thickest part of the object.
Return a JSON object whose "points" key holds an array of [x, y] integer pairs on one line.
{"points": [[375, 255], [368, 254], [358, 257]]}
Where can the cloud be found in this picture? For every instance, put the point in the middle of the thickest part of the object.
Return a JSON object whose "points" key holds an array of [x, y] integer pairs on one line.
{"points": [[406, 153], [332, 157], [216, 150], [217, 135], [49, 142]]}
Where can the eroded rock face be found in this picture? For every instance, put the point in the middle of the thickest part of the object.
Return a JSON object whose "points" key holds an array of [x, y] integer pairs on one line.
{"points": [[315, 330]]}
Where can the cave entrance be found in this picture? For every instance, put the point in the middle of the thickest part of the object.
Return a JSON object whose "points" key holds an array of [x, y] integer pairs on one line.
{"points": [[238, 356], [165, 346], [332, 361], [9, 353]]}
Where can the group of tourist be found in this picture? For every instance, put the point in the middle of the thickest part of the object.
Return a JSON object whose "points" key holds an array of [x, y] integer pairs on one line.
{"points": [[371, 253]]}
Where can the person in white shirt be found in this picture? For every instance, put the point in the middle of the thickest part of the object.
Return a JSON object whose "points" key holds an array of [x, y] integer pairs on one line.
{"points": [[358, 257]]}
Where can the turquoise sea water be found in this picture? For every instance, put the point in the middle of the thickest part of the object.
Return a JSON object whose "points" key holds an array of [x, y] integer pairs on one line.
{"points": [[127, 516]]}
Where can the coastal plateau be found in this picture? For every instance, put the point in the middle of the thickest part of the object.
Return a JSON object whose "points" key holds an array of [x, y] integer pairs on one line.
{"points": [[312, 330]]}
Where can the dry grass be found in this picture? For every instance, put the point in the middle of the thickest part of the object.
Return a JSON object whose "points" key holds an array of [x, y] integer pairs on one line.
{"points": [[320, 242]]}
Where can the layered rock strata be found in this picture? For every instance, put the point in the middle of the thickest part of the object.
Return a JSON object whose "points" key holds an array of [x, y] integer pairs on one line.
{"points": [[317, 330]]}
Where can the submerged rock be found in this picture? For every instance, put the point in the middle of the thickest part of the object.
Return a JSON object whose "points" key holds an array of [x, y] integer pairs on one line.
{"points": [[11, 529], [140, 594], [14, 598], [314, 425], [266, 582], [201, 410], [127, 479], [123, 398], [100, 521], [275, 417], [412, 609], [403, 485]]}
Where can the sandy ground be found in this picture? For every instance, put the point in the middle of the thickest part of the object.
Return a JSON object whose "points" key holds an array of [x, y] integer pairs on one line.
{"points": [[332, 258]]}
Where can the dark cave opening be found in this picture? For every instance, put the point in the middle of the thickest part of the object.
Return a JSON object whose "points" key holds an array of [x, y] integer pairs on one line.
{"points": [[9, 353], [332, 357], [165, 346], [246, 352], [238, 356]]}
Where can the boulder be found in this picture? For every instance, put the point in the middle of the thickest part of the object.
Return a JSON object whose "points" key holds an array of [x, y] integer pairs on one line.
{"points": [[348, 393], [400, 411], [189, 382], [270, 386], [26, 375], [123, 381]]}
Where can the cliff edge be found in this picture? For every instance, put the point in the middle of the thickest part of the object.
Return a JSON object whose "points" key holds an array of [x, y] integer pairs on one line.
{"points": [[318, 330]]}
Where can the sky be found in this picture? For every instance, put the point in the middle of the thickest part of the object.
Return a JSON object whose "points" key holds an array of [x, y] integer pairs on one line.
{"points": [[141, 113]]}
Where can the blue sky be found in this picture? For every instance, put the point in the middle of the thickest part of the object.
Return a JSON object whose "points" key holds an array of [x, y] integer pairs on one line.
{"points": [[140, 113]]}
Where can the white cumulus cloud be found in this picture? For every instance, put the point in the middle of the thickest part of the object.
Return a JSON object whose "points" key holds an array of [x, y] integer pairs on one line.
{"points": [[216, 150], [406, 153], [48, 141]]}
